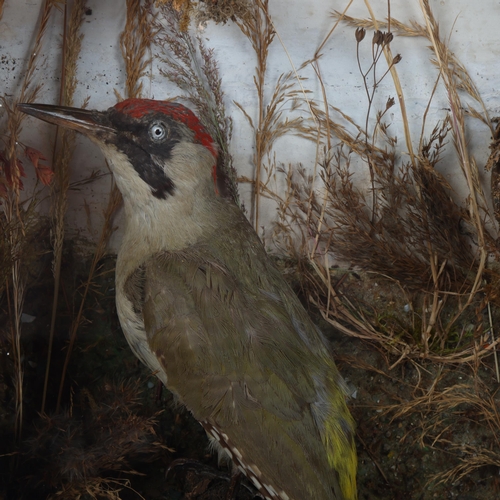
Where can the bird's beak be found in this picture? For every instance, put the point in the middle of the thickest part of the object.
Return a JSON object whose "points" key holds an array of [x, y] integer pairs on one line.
{"points": [[88, 122]]}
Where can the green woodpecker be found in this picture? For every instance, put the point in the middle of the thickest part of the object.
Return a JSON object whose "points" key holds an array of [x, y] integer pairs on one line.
{"points": [[202, 305]]}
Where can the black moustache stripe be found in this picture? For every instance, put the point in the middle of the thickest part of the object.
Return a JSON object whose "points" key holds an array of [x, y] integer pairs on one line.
{"points": [[149, 171]]}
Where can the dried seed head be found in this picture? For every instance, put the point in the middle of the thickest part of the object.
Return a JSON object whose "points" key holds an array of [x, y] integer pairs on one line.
{"points": [[390, 103], [360, 34], [378, 37], [397, 58], [388, 37]]}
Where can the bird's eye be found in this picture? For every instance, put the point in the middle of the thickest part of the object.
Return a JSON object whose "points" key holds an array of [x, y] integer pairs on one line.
{"points": [[158, 131]]}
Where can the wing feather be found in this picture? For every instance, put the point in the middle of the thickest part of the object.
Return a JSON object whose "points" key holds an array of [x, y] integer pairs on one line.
{"points": [[248, 360]]}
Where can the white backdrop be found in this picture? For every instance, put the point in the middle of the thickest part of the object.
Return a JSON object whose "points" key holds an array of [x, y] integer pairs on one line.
{"points": [[472, 29]]}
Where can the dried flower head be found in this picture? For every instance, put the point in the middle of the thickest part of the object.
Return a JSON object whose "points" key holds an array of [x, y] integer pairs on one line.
{"points": [[378, 38], [388, 37], [219, 11], [397, 59], [360, 34]]}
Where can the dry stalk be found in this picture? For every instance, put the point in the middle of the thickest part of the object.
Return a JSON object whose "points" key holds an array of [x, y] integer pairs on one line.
{"points": [[328, 133], [310, 132], [15, 311], [475, 458], [259, 31], [14, 214], [469, 167], [492, 331], [462, 78], [114, 202], [380, 44], [72, 40], [272, 123], [135, 44], [397, 84]]}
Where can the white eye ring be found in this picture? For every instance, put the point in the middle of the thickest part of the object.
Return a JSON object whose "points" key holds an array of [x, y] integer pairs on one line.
{"points": [[158, 131]]}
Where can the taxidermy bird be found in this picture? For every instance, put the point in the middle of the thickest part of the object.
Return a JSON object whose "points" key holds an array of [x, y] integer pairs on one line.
{"points": [[202, 305]]}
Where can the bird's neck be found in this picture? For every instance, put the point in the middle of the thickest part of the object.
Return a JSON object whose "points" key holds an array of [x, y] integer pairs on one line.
{"points": [[162, 224], [154, 224]]}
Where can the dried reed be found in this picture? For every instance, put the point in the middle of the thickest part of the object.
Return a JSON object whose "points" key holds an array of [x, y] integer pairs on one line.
{"points": [[259, 31], [72, 40], [114, 202], [15, 216], [135, 43]]}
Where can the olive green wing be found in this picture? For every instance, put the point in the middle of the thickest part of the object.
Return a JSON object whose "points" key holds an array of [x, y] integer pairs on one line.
{"points": [[245, 359]]}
